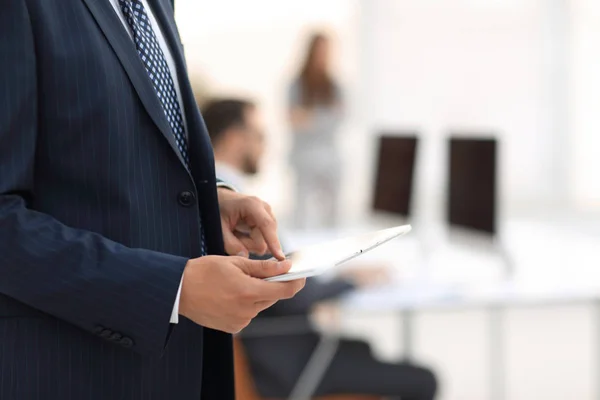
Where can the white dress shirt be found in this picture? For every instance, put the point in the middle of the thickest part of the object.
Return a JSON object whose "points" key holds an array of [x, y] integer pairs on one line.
{"points": [[171, 63], [235, 178]]}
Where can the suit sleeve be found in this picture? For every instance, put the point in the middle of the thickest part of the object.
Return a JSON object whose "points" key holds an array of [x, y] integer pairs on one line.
{"points": [[74, 275]]}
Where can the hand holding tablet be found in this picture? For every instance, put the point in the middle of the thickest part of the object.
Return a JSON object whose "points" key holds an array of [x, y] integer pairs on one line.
{"points": [[317, 259]]}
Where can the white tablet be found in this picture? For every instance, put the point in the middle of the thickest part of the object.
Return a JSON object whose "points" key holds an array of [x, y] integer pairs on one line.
{"points": [[315, 260]]}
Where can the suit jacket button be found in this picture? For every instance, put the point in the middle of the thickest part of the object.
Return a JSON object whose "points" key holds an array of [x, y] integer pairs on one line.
{"points": [[115, 337], [186, 198], [98, 330], [126, 342], [105, 334]]}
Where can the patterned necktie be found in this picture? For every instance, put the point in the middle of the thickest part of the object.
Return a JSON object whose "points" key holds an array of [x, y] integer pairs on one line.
{"points": [[157, 68], [158, 71]]}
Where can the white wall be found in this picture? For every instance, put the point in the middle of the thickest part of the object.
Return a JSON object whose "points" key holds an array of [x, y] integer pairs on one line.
{"points": [[584, 148]]}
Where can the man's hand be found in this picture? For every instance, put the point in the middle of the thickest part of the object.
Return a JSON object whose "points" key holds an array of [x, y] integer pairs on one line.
{"points": [[224, 293], [248, 225]]}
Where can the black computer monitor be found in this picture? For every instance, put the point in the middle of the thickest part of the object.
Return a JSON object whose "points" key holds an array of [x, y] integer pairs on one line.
{"points": [[395, 173], [472, 183]]}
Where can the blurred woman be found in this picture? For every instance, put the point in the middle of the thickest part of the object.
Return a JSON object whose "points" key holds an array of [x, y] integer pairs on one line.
{"points": [[315, 111]]}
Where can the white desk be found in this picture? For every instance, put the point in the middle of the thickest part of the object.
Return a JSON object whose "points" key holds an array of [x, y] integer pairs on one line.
{"points": [[553, 267], [493, 299]]}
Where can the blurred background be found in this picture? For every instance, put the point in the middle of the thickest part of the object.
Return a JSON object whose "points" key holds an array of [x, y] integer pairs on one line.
{"points": [[503, 303]]}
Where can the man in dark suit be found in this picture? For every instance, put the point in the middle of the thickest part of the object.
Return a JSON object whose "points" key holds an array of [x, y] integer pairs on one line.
{"points": [[111, 222], [277, 358]]}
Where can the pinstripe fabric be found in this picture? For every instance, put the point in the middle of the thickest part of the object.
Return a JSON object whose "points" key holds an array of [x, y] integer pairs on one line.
{"points": [[93, 233]]}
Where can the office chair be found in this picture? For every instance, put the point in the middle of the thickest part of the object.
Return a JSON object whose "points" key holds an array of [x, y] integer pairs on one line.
{"points": [[245, 388]]}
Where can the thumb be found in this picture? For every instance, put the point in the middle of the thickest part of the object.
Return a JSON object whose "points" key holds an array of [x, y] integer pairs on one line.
{"points": [[233, 245], [263, 268]]}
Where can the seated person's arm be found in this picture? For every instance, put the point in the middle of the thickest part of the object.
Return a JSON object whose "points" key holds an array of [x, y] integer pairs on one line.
{"points": [[314, 292]]}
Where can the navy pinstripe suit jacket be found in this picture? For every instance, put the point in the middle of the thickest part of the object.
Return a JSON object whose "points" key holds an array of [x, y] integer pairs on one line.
{"points": [[98, 214]]}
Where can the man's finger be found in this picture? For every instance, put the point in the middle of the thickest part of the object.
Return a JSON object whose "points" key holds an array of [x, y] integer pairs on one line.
{"points": [[233, 246], [263, 268], [268, 228], [258, 215], [269, 209], [273, 291], [254, 242], [263, 305]]}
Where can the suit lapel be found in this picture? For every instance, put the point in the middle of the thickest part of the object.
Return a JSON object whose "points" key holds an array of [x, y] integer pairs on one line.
{"points": [[124, 48]]}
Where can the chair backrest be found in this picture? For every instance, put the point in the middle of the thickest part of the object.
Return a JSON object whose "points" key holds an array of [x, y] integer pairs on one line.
{"points": [[244, 384]]}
